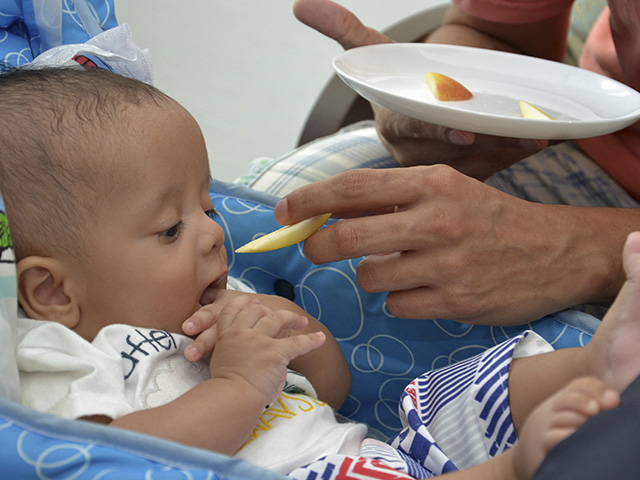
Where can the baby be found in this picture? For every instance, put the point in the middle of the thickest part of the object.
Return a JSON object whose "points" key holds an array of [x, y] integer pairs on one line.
{"points": [[105, 182]]}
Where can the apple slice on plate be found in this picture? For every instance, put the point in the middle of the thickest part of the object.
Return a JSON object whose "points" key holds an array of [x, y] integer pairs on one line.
{"points": [[285, 236], [446, 88], [531, 111]]}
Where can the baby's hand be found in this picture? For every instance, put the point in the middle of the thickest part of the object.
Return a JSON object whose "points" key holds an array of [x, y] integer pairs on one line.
{"points": [[255, 344], [203, 324]]}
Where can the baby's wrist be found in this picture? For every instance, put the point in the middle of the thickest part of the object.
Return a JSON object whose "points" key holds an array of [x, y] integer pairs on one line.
{"points": [[244, 389]]}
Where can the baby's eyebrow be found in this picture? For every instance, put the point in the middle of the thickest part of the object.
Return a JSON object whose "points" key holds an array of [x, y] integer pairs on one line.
{"points": [[158, 201]]}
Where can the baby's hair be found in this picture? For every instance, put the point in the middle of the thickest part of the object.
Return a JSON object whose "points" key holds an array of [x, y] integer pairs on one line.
{"points": [[52, 120]]}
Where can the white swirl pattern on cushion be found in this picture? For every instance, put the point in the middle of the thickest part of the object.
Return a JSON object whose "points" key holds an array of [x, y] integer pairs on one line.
{"points": [[385, 353]]}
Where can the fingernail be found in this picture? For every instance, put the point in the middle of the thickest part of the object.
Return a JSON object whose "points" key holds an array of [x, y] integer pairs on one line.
{"points": [[188, 326], [610, 397], [531, 144], [191, 353], [281, 208], [592, 407], [458, 137]]}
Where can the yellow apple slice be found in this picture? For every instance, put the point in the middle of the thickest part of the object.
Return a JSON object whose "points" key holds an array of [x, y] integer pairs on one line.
{"points": [[446, 88], [531, 111], [285, 236]]}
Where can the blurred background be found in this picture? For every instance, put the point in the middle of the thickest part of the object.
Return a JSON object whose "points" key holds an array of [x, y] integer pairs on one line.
{"points": [[247, 70]]}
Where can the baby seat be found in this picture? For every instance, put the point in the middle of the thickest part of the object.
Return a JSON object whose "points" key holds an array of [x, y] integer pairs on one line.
{"points": [[384, 353]]}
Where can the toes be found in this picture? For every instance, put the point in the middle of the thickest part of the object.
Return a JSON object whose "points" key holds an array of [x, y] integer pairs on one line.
{"points": [[584, 397], [631, 256]]}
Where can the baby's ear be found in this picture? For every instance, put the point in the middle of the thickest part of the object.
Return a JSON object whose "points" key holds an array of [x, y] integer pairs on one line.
{"points": [[43, 291]]}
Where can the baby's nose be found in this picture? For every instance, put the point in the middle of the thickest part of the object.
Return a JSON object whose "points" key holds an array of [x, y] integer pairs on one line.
{"points": [[214, 235]]}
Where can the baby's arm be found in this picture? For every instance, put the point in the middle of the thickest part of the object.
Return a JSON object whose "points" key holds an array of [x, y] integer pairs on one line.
{"points": [[248, 371], [325, 367]]}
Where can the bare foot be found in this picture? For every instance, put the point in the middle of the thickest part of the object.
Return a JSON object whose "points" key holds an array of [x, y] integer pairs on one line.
{"points": [[613, 352], [558, 417]]}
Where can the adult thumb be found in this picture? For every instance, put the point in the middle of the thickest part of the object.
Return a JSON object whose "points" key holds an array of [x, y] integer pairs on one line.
{"points": [[337, 22]]}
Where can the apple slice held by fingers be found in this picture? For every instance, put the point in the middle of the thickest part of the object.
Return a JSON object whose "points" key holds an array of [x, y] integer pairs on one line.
{"points": [[446, 88], [285, 236], [531, 111]]}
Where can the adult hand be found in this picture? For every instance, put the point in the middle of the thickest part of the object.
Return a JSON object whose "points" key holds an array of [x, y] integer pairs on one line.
{"points": [[410, 141], [446, 245]]}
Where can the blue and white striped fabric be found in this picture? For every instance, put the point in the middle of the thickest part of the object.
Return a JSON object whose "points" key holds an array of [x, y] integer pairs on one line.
{"points": [[462, 409], [457, 409]]}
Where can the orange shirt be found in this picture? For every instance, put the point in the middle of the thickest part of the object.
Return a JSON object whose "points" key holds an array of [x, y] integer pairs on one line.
{"points": [[618, 153]]}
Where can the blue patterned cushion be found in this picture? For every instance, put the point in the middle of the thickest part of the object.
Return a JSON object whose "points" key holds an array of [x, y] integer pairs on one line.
{"points": [[384, 352], [36, 445], [25, 33]]}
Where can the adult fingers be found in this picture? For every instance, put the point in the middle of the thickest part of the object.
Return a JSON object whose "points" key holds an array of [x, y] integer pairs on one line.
{"points": [[338, 23], [421, 286], [359, 190], [412, 142], [392, 126], [357, 237]]}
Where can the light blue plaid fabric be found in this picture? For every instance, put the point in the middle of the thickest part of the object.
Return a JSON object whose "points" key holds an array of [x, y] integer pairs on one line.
{"points": [[562, 175], [557, 175], [352, 147]]}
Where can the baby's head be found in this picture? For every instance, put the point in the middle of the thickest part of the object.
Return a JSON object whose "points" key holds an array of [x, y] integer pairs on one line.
{"points": [[105, 182], [55, 127]]}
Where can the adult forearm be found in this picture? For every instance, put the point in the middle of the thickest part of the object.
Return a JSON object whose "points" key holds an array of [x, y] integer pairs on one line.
{"points": [[545, 38], [592, 239]]}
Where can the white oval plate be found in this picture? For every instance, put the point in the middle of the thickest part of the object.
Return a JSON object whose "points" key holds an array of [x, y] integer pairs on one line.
{"points": [[584, 104]]}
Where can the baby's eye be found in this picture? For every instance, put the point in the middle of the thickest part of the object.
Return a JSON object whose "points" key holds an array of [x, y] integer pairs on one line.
{"points": [[211, 213], [172, 233]]}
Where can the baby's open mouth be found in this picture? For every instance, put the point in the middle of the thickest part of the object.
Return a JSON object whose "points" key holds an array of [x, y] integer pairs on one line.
{"points": [[209, 294]]}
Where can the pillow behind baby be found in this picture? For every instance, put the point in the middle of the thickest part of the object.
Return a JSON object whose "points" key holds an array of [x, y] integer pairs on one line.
{"points": [[384, 352], [8, 312], [28, 28]]}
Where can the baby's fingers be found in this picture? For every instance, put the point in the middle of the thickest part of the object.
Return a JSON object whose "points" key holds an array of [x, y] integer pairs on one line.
{"points": [[203, 322], [202, 345], [298, 345], [281, 323]]}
